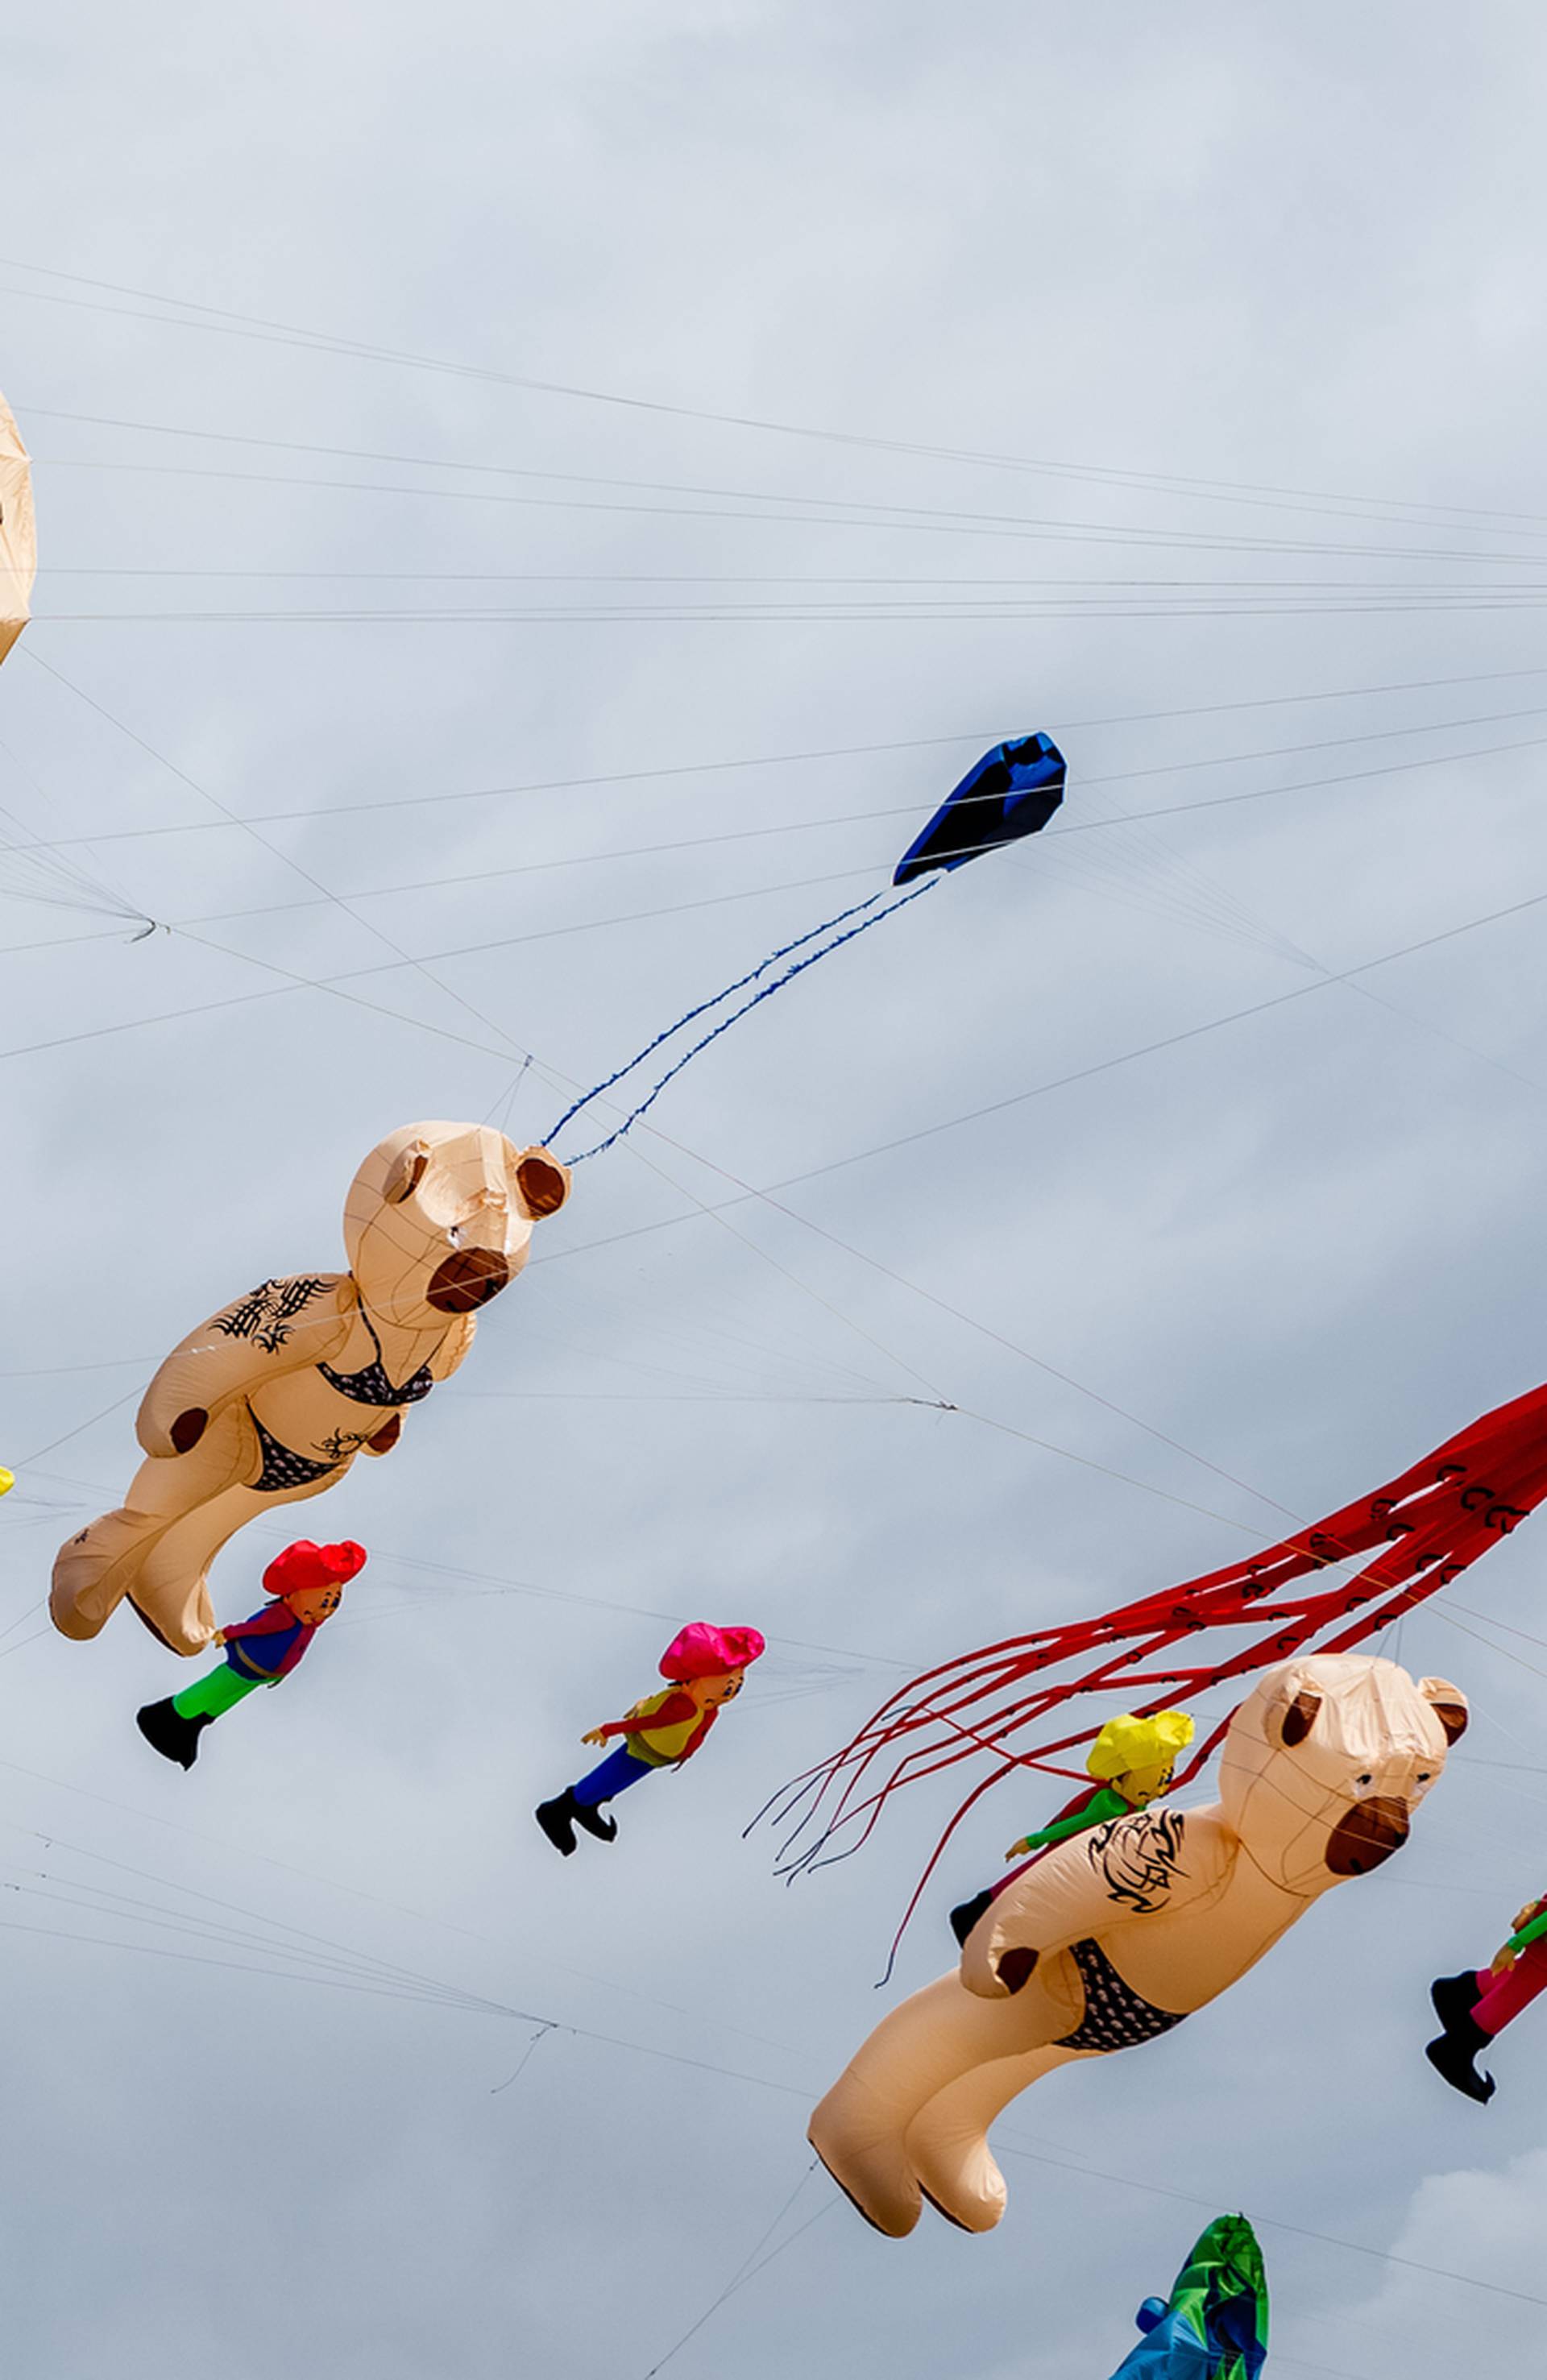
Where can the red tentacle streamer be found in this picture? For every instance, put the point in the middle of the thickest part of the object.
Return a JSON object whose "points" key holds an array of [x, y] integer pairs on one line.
{"points": [[1421, 1530]]}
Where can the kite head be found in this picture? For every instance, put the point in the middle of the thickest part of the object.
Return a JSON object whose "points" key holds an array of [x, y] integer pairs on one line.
{"points": [[1012, 790], [1138, 1756], [1326, 1760], [311, 1578], [7, 1480], [440, 1216], [711, 1662]]}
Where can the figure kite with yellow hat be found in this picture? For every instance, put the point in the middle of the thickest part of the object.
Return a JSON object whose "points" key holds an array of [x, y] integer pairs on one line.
{"points": [[1132, 1760], [706, 1667]]}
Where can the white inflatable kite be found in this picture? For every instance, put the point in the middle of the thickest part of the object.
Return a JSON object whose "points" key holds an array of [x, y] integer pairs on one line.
{"points": [[19, 537], [270, 1401]]}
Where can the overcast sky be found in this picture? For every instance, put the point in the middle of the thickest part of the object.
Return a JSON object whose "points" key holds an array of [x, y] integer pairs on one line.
{"points": [[1258, 294]]}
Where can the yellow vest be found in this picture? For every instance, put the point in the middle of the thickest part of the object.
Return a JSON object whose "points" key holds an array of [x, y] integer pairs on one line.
{"points": [[661, 1745]]}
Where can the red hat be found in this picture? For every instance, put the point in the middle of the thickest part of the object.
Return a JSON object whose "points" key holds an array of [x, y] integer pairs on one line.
{"points": [[306, 1565], [701, 1650]]}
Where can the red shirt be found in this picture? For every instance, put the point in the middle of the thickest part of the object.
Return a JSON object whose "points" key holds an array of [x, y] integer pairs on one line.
{"points": [[674, 1710], [272, 1661]]}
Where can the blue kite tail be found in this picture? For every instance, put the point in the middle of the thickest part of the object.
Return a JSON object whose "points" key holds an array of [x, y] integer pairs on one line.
{"points": [[688, 1014], [767, 993]]}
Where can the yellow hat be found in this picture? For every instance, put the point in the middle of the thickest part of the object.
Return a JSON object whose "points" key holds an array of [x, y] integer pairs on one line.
{"points": [[1127, 1742]]}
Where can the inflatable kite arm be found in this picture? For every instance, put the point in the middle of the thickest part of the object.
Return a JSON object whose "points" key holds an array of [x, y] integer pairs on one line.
{"points": [[671, 1713], [1129, 1868], [453, 1348], [266, 1623], [1531, 1931], [279, 1327], [1101, 1804]]}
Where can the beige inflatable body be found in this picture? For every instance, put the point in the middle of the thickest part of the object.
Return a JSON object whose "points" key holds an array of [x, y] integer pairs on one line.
{"points": [[19, 544], [1116, 1936], [270, 1401]]}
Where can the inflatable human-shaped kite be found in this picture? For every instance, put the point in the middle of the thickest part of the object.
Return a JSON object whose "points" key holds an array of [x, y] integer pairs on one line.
{"points": [[1133, 1761], [270, 1401], [706, 1667], [1115, 1937], [1476, 2006], [306, 1584]]}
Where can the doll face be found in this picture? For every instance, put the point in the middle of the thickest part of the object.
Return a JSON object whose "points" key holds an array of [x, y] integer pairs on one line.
{"points": [[1141, 1785], [312, 1605], [710, 1692]]}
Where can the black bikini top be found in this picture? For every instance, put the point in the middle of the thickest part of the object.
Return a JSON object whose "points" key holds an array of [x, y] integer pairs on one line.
{"points": [[373, 1386]]}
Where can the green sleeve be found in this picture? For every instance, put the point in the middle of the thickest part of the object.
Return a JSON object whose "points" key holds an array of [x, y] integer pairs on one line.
{"points": [[1530, 1933], [1100, 1807]]}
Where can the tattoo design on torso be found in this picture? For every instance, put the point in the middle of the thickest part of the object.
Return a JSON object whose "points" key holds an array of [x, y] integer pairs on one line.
{"points": [[1140, 1858], [265, 1314]]}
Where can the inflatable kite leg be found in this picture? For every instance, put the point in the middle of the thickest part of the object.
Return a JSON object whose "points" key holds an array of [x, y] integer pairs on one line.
{"points": [[110, 1557], [157, 1548], [92, 1570], [171, 1593], [947, 2141], [861, 2129]]}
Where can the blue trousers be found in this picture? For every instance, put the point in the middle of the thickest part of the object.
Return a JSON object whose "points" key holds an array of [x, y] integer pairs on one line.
{"points": [[610, 1777]]}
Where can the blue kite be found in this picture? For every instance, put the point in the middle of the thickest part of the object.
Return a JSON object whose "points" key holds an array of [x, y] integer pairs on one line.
{"points": [[1214, 2325], [1011, 792]]}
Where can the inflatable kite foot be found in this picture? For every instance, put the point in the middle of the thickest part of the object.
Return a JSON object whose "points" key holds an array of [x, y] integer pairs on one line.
{"points": [[166, 1731], [146, 1622], [556, 1819], [966, 1913], [875, 2175], [958, 2177], [1454, 1996], [93, 1571], [591, 1819], [887, 2230], [1452, 2054]]}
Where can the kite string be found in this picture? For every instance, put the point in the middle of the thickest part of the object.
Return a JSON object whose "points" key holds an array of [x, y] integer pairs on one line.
{"points": [[546, 2027], [749, 2264], [688, 1014], [767, 992]]}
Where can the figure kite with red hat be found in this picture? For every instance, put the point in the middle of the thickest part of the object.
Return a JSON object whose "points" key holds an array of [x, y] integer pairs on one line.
{"points": [[306, 1584], [706, 1667]]}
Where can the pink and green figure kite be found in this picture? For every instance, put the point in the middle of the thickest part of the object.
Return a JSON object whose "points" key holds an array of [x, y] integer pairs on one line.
{"points": [[1475, 2005]]}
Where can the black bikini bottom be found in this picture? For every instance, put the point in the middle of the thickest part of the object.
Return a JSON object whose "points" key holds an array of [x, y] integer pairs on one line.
{"points": [[281, 1468], [1116, 2017]]}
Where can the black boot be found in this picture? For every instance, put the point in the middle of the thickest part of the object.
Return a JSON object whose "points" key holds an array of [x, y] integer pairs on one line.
{"points": [[166, 1731], [1454, 1996], [1452, 2057], [589, 1816], [966, 1915], [556, 1819]]}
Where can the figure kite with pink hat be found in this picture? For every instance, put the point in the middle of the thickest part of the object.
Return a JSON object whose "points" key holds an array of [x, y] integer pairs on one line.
{"points": [[705, 1667], [307, 1584]]}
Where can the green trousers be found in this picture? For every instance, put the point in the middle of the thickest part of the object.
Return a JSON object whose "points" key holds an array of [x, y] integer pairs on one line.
{"points": [[207, 1697]]}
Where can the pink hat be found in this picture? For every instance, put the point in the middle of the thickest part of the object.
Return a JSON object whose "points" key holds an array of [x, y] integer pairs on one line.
{"points": [[701, 1650], [305, 1565]]}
